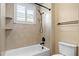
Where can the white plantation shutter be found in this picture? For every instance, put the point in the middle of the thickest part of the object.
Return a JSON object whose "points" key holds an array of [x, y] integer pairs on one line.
{"points": [[30, 16], [25, 13], [20, 13]]}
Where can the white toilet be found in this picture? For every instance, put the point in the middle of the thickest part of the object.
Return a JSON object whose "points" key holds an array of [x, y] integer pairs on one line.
{"points": [[66, 49]]}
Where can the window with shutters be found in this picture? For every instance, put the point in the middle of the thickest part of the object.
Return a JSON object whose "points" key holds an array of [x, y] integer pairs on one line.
{"points": [[25, 14]]}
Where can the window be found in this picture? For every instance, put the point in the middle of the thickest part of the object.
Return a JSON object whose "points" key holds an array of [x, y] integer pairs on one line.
{"points": [[20, 13], [30, 16], [24, 13]]}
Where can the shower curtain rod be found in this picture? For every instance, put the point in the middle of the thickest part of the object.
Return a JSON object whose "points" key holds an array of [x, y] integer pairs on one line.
{"points": [[42, 6]]}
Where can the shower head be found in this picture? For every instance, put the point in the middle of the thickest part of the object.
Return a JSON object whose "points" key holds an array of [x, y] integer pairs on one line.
{"points": [[40, 12]]}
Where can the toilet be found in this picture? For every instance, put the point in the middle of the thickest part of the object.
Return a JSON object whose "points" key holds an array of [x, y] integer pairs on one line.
{"points": [[67, 49]]}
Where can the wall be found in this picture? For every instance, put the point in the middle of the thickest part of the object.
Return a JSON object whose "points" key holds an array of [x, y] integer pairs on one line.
{"points": [[2, 29], [66, 33], [48, 27], [22, 34]]}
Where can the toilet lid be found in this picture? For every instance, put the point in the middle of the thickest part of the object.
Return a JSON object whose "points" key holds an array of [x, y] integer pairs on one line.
{"points": [[58, 55]]}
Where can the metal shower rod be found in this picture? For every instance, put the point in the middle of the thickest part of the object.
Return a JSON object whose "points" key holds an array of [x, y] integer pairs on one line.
{"points": [[42, 6]]}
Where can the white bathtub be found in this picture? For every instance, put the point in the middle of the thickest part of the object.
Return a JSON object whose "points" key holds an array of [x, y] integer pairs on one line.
{"points": [[34, 50]]}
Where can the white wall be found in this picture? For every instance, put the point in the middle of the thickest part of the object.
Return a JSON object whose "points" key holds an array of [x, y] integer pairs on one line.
{"points": [[67, 33]]}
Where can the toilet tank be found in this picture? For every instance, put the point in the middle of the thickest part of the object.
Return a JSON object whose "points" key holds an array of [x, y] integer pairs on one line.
{"points": [[67, 49]]}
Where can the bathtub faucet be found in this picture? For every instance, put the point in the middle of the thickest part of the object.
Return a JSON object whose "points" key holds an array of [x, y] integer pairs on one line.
{"points": [[43, 42], [42, 45]]}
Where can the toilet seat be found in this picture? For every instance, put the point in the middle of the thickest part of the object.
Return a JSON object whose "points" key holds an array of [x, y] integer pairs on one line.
{"points": [[58, 55]]}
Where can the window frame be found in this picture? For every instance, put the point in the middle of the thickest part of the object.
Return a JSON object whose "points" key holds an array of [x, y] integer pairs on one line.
{"points": [[25, 22]]}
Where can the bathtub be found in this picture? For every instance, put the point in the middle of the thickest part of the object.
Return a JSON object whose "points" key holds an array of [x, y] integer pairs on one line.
{"points": [[34, 50]]}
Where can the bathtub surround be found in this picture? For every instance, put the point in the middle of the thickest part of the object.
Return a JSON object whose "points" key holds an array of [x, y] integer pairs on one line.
{"points": [[31, 33], [22, 34]]}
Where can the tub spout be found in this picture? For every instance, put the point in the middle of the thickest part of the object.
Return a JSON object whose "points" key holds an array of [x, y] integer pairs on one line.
{"points": [[42, 43]]}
